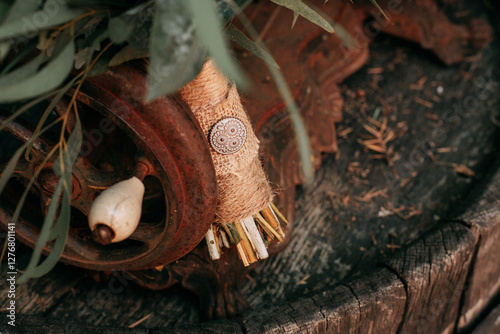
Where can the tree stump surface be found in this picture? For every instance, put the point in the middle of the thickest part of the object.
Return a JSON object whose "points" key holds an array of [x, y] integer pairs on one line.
{"points": [[407, 248]]}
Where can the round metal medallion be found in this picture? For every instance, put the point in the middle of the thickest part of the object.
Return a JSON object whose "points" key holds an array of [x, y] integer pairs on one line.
{"points": [[228, 135]]}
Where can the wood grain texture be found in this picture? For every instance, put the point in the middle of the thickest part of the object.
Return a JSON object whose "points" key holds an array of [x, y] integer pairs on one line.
{"points": [[491, 324], [39, 297], [38, 325], [434, 270], [353, 307], [484, 281]]}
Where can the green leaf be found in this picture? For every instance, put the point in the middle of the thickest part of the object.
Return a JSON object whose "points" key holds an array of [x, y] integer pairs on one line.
{"points": [[374, 2], [23, 72], [70, 151], [140, 38], [176, 53], [9, 169], [101, 65], [11, 165], [239, 38], [20, 204], [341, 33], [21, 8], [208, 27], [128, 53], [18, 57], [302, 9], [5, 5], [34, 269], [25, 108], [49, 77], [295, 17], [4, 49], [103, 4], [59, 233], [11, 11], [133, 25], [26, 25], [120, 28], [226, 12], [50, 231], [301, 136], [49, 109]]}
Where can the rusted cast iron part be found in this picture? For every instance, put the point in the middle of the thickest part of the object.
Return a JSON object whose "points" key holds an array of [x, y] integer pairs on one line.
{"points": [[169, 147]]}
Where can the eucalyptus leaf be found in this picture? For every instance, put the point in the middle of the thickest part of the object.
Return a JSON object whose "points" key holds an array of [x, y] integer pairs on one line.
{"points": [[45, 233], [101, 65], [239, 38], [73, 145], [23, 72], [49, 77], [176, 53], [295, 17], [59, 233], [5, 5], [302, 9], [103, 4], [301, 136], [25, 108], [120, 28], [20, 204], [21, 8], [30, 23], [208, 27], [51, 231], [59, 229], [127, 53], [225, 10], [133, 25], [70, 152], [11, 165], [49, 109], [18, 57], [13, 11], [374, 2], [340, 31], [4, 49]]}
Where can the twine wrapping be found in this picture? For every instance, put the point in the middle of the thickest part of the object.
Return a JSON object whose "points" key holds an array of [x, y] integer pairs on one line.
{"points": [[242, 183]]}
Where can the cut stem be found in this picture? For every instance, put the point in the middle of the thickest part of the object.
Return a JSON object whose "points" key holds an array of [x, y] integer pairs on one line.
{"points": [[249, 252], [243, 257], [278, 213], [212, 245], [217, 240], [254, 237], [224, 239], [273, 221], [268, 228]]}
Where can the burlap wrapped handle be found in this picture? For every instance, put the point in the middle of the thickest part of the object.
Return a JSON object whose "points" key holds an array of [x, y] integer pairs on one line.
{"points": [[245, 214], [242, 184]]}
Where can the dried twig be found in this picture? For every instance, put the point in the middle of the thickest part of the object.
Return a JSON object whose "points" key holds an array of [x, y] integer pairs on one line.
{"points": [[424, 102], [371, 194], [140, 321], [459, 168], [379, 140]]}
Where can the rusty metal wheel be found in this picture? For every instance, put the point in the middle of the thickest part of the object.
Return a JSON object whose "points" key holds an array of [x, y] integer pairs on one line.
{"points": [[123, 136]]}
